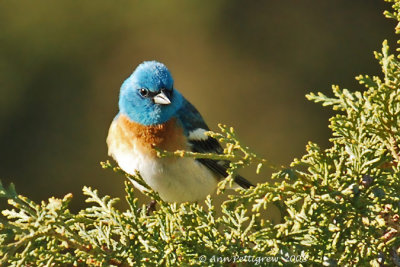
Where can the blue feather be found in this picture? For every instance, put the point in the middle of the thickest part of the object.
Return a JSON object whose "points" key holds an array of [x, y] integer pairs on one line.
{"points": [[190, 118], [153, 76]]}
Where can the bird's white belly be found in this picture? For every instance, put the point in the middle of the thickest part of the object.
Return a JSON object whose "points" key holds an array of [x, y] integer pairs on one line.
{"points": [[175, 179]]}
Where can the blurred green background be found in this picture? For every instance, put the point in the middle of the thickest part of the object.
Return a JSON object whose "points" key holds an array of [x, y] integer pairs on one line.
{"points": [[247, 64]]}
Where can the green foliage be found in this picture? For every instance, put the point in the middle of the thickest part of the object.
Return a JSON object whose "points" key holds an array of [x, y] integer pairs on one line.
{"points": [[339, 206]]}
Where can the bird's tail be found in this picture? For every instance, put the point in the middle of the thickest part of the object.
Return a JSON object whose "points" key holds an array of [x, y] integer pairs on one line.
{"points": [[240, 180]]}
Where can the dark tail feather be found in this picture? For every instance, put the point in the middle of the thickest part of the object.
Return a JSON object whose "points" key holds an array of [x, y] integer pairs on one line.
{"points": [[221, 170], [243, 182]]}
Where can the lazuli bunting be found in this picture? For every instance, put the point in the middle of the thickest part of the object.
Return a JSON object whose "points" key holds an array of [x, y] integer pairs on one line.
{"points": [[152, 113]]}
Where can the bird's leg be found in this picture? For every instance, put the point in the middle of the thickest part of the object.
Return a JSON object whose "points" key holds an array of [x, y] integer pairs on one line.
{"points": [[151, 207]]}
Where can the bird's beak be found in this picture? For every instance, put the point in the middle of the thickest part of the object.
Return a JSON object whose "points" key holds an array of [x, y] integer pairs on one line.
{"points": [[161, 99]]}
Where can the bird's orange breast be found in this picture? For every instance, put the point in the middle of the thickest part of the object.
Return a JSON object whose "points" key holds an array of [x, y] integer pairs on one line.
{"points": [[131, 135]]}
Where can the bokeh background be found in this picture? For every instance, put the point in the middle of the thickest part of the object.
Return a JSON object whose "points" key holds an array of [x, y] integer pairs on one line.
{"points": [[247, 64]]}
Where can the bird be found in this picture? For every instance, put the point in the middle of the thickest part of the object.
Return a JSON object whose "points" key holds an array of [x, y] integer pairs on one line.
{"points": [[154, 114]]}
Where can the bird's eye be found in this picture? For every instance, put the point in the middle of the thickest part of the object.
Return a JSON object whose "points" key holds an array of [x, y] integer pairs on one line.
{"points": [[144, 92]]}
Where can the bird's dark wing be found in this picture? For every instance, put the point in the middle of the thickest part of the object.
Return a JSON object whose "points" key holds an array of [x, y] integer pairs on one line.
{"points": [[195, 127]]}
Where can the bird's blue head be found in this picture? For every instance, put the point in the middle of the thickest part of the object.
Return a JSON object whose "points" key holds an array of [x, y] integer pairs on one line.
{"points": [[148, 96]]}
